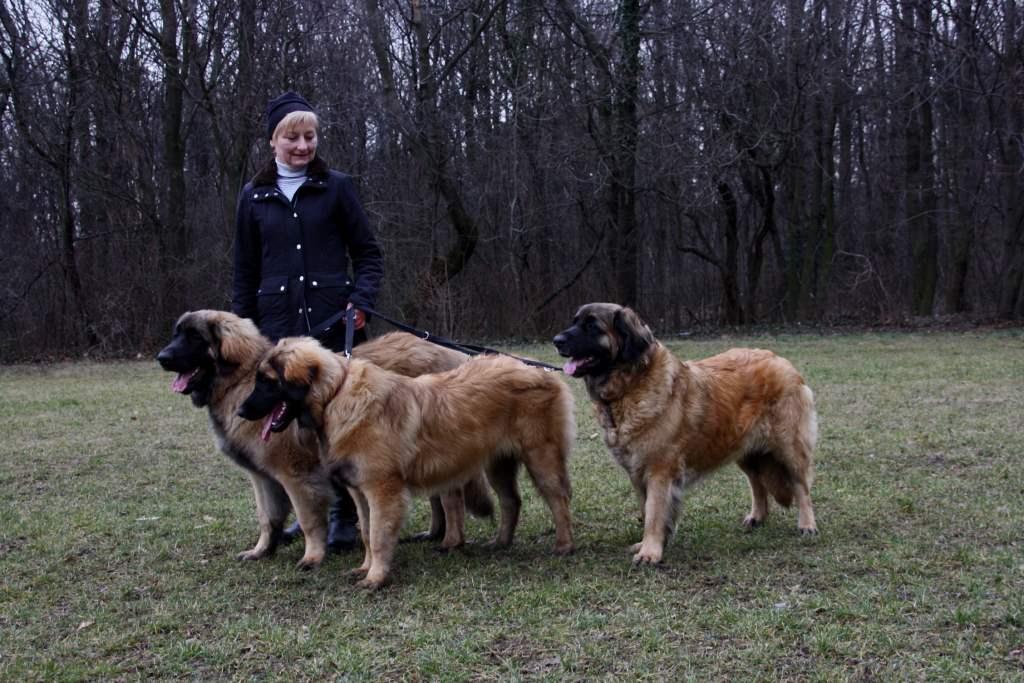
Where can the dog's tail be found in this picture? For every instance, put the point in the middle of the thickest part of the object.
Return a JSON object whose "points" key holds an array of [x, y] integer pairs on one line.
{"points": [[777, 480], [772, 474], [478, 497]]}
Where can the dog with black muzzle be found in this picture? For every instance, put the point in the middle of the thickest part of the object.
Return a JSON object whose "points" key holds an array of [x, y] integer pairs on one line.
{"points": [[215, 354], [389, 436], [670, 423]]}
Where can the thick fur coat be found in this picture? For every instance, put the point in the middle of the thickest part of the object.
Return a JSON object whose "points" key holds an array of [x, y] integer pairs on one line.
{"points": [[216, 354], [670, 423], [390, 436]]}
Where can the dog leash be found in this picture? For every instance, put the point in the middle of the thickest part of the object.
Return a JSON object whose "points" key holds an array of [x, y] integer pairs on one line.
{"points": [[468, 349]]}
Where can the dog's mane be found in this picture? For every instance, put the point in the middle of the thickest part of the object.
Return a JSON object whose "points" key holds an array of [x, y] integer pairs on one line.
{"points": [[621, 377]]}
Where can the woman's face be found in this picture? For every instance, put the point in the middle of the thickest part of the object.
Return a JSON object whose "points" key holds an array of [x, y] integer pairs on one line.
{"points": [[295, 147]]}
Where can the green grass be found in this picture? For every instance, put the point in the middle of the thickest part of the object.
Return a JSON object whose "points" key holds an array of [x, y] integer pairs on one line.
{"points": [[119, 524]]}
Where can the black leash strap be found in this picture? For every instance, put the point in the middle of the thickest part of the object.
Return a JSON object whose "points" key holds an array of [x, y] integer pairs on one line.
{"points": [[350, 330], [468, 349]]}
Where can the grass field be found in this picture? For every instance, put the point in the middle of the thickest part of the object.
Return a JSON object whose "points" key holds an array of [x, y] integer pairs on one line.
{"points": [[119, 524]]}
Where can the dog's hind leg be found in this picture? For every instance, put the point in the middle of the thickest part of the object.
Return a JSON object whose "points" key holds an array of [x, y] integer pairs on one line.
{"points": [[800, 471], [805, 521], [792, 479], [502, 475], [437, 524], [454, 519], [272, 509], [798, 458], [546, 465], [752, 466], [363, 511]]}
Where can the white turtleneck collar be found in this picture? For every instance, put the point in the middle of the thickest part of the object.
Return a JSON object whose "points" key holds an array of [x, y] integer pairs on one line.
{"points": [[289, 179]]}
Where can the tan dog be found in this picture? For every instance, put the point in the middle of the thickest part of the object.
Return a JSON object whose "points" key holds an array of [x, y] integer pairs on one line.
{"points": [[670, 423], [215, 354], [388, 436]]}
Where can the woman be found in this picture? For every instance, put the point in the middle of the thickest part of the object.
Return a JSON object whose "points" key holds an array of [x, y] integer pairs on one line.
{"points": [[298, 225]]}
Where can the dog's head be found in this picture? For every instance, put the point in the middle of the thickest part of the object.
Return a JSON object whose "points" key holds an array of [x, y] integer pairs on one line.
{"points": [[287, 382], [207, 345], [603, 337]]}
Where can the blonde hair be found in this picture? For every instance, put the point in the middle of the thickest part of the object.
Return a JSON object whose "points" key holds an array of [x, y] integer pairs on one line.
{"points": [[295, 120]]}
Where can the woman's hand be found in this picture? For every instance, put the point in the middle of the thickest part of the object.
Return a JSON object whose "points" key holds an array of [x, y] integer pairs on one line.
{"points": [[360, 318]]}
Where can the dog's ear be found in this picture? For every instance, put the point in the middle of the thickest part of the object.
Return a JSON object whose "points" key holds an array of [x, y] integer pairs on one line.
{"points": [[221, 348], [213, 337], [295, 364], [634, 337], [306, 420]]}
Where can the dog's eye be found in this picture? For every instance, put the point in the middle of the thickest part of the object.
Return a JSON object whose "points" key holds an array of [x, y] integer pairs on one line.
{"points": [[590, 323]]}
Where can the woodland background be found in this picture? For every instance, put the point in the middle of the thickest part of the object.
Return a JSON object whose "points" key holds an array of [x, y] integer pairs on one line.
{"points": [[706, 161]]}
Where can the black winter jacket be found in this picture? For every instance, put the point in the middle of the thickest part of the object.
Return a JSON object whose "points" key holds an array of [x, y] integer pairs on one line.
{"points": [[291, 258]]}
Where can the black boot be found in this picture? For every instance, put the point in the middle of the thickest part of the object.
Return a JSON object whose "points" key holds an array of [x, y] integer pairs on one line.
{"points": [[341, 523], [291, 533]]}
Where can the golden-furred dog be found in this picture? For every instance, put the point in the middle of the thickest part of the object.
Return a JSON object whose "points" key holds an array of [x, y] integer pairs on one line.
{"points": [[388, 436], [669, 423], [215, 354]]}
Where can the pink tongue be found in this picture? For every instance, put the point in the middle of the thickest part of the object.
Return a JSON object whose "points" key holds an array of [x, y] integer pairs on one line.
{"points": [[180, 382], [275, 414], [570, 366]]}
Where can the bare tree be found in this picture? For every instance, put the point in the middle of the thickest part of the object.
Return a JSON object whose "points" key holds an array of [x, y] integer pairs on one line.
{"points": [[709, 161]]}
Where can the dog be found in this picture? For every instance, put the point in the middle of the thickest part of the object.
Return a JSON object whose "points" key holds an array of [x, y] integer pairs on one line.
{"points": [[215, 354], [389, 436], [670, 423]]}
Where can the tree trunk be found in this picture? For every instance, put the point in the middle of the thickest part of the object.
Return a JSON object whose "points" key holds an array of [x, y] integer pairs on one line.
{"points": [[624, 145], [921, 203], [732, 298], [960, 175], [796, 199], [1011, 293], [174, 240]]}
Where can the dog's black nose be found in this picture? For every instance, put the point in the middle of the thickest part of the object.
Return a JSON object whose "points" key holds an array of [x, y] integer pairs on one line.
{"points": [[559, 339], [163, 358]]}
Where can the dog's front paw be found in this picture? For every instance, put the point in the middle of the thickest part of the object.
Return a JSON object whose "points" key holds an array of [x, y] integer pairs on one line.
{"points": [[635, 548], [309, 562], [357, 573], [751, 522], [564, 548], [809, 531], [372, 584], [647, 555]]}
